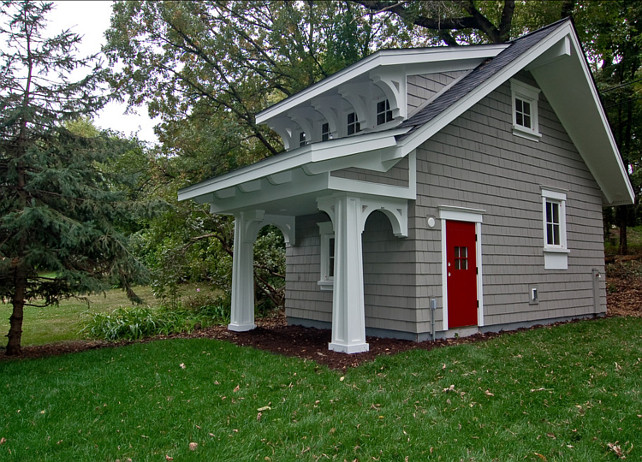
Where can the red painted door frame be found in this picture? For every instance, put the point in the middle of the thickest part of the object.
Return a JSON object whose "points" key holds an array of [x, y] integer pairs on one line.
{"points": [[461, 265]]}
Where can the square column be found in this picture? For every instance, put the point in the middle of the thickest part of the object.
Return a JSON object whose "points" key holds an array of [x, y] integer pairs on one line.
{"points": [[348, 308], [242, 315]]}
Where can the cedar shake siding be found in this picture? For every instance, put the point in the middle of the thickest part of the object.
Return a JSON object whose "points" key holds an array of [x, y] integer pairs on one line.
{"points": [[396, 176], [478, 162], [475, 162], [422, 88]]}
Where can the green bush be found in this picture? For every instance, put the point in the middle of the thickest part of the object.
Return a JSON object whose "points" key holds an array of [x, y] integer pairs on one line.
{"points": [[138, 322]]}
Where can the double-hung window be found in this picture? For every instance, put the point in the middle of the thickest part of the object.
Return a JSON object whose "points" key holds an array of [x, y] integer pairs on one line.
{"points": [[554, 223], [525, 110], [326, 235]]}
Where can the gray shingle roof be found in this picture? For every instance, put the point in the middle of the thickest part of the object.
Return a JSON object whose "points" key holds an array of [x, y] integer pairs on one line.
{"points": [[478, 76]]}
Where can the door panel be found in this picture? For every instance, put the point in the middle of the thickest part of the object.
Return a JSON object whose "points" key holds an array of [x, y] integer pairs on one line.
{"points": [[461, 263]]}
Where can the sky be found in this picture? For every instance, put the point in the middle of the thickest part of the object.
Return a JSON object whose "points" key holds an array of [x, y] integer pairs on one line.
{"points": [[90, 19]]}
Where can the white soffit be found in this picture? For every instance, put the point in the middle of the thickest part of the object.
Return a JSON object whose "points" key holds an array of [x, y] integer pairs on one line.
{"points": [[409, 61], [314, 158]]}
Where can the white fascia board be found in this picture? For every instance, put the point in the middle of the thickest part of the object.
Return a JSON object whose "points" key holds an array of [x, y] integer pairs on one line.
{"points": [[604, 120], [424, 133], [323, 154], [381, 58]]}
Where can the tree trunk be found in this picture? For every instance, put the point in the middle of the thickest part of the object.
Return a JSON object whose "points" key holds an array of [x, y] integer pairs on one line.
{"points": [[15, 321], [622, 222]]}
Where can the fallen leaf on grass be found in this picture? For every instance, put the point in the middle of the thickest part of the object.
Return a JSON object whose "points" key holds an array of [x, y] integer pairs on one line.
{"points": [[264, 408], [168, 457], [236, 388], [3, 440], [616, 449], [488, 393], [540, 456], [193, 446], [182, 365], [450, 388]]}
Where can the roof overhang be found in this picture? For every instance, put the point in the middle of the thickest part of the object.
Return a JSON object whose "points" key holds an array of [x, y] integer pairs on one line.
{"points": [[290, 182], [558, 65], [413, 61]]}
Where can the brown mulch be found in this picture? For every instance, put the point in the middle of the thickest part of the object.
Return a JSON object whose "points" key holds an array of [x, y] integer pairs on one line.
{"points": [[624, 298]]}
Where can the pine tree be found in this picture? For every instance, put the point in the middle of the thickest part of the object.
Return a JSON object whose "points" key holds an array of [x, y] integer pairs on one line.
{"points": [[60, 213]]}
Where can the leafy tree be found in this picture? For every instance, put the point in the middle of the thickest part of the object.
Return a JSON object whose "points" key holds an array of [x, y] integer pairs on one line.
{"points": [[207, 68], [61, 216], [611, 32]]}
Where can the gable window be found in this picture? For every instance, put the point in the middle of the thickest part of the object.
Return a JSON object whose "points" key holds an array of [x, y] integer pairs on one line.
{"points": [[325, 132], [554, 222], [353, 123], [525, 110], [384, 114], [326, 234], [302, 140]]}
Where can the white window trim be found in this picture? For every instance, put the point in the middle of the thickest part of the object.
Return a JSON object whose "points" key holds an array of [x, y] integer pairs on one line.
{"points": [[530, 95], [555, 256], [326, 232], [447, 212]]}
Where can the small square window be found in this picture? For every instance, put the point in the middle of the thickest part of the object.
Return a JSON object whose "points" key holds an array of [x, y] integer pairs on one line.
{"points": [[525, 113], [461, 258], [302, 140], [384, 114], [353, 123]]}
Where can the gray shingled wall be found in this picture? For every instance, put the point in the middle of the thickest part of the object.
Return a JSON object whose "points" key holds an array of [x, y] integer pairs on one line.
{"points": [[475, 162], [396, 176], [424, 86]]}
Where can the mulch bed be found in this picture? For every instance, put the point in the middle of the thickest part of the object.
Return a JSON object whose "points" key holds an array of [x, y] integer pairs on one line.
{"points": [[624, 298]]}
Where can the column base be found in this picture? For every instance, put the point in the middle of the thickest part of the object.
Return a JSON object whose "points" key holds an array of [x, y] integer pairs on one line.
{"points": [[241, 327], [356, 348]]}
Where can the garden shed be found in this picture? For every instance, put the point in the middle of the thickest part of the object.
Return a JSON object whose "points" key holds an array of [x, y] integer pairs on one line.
{"points": [[428, 193]]}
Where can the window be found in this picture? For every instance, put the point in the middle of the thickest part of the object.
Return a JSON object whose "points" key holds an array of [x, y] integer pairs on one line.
{"points": [[384, 114], [302, 140], [325, 132], [353, 123], [525, 114], [554, 222], [327, 244], [461, 258]]}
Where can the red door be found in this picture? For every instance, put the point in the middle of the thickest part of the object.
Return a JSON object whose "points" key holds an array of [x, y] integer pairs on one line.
{"points": [[462, 273]]}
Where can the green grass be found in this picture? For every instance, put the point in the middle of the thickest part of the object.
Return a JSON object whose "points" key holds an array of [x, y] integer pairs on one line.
{"points": [[558, 393], [65, 321]]}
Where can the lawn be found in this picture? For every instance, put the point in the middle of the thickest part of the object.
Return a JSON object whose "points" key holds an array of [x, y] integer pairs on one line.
{"points": [[65, 321], [570, 392]]}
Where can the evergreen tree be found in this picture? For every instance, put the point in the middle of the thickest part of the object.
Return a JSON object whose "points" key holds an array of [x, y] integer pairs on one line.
{"points": [[60, 215]]}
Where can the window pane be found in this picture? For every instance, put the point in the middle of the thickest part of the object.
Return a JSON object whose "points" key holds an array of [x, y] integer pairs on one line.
{"points": [[331, 257]]}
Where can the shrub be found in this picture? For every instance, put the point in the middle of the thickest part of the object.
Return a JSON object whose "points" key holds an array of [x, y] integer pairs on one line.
{"points": [[137, 322]]}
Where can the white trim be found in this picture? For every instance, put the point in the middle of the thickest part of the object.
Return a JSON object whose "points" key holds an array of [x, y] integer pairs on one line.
{"points": [[555, 256], [452, 213], [316, 157], [382, 58], [326, 232], [528, 94]]}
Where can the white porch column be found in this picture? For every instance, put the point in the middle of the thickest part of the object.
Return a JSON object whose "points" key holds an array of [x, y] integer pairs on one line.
{"points": [[348, 309], [245, 227]]}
